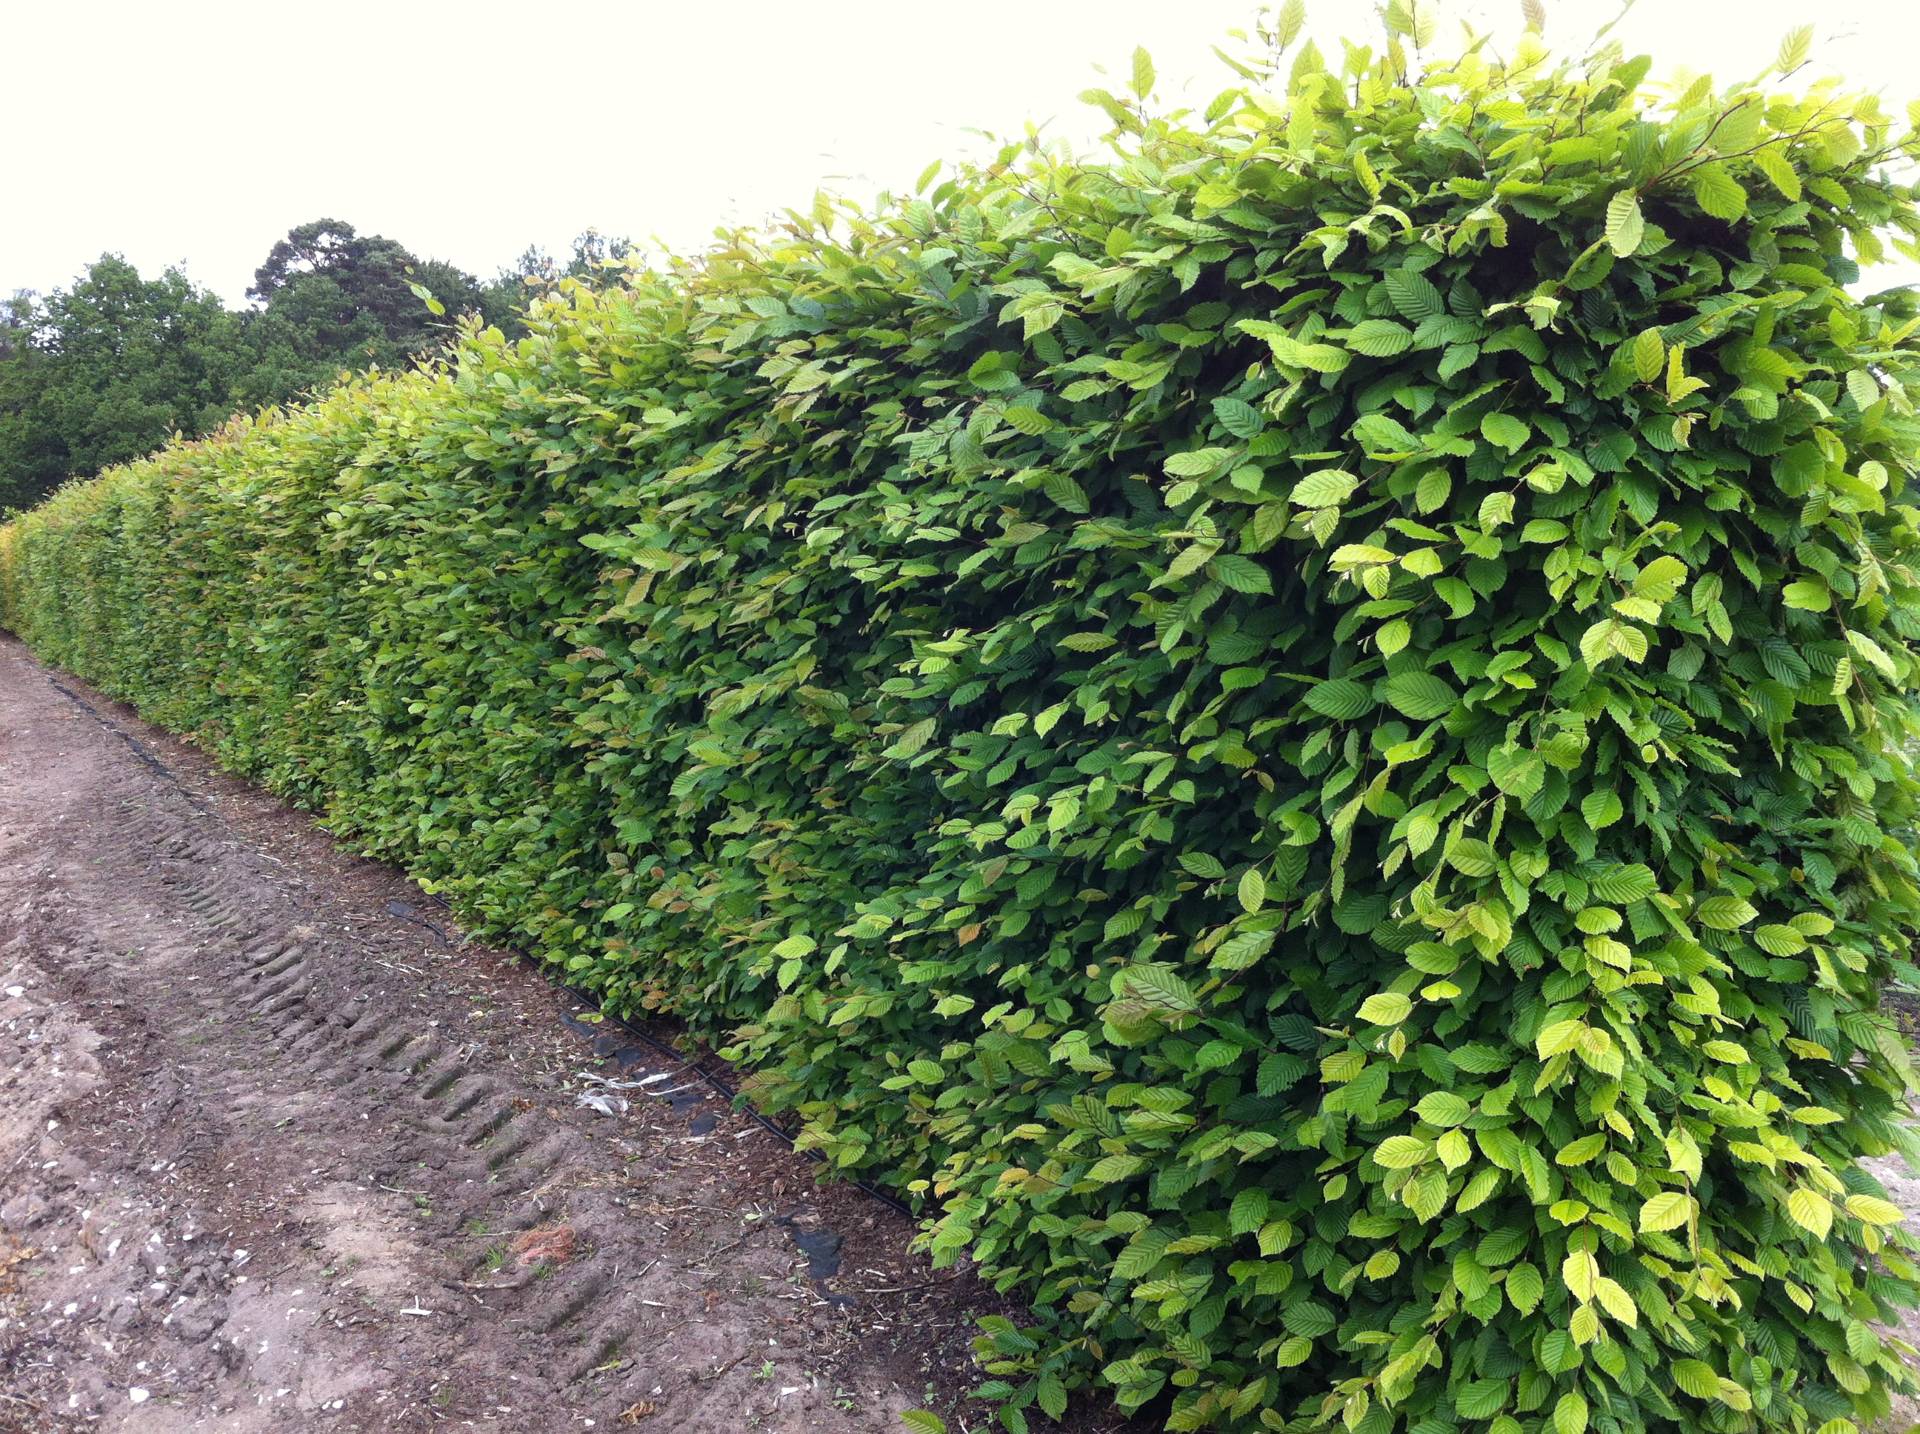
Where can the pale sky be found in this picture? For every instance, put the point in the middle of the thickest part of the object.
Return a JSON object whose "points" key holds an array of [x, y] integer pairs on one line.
{"points": [[198, 133]]}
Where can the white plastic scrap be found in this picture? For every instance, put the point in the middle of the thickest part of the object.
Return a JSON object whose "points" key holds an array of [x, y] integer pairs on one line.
{"points": [[606, 1098]]}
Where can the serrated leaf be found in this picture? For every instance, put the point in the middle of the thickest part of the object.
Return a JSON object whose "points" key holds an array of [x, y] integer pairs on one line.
{"points": [[1625, 227], [1524, 1288], [1422, 696], [1600, 810], [1718, 192], [1724, 913], [1379, 338], [1401, 1152], [1253, 889], [1779, 171], [1142, 73], [1811, 1211], [1506, 431], [1199, 463], [1443, 1108], [1666, 1211], [1386, 1008], [1431, 492], [1340, 698], [1795, 46], [1239, 418], [1808, 594], [1874, 1210], [1649, 355], [1414, 295], [1323, 488], [1242, 574], [1695, 1378]]}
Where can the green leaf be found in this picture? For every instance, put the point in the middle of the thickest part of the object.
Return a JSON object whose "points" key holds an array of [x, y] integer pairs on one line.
{"points": [[1524, 1288], [1340, 698], [1625, 884], [1443, 1108], [1666, 1211], [1419, 695], [1874, 1210], [1517, 772], [1625, 227], [1649, 355], [1718, 192], [1241, 574], [1433, 489], [1600, 810], [1414, 295], [1401, 1152], [1724, 913], [1780, 172], [1142, 73], [1111, 1168], [1381, 433], [1695, 1378], [1239, 418], [1807, 594], [1200, 463], [1323, 488], [1795, 46], [1386, 1008], [1811, 1211], [1379, 338], [1506, 431], [910, 742], [1253, 889]]}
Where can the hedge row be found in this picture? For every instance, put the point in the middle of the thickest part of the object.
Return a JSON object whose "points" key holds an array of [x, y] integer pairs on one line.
{"points": [[1297, 729]]}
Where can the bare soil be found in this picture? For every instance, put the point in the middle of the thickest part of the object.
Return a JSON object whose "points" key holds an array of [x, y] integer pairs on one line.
{"points": [[281, 1150]]}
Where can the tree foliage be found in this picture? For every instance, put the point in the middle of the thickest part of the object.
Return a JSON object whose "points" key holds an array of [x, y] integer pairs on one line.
{"points": [[331, 299], [1298, 729], [108, 370]]}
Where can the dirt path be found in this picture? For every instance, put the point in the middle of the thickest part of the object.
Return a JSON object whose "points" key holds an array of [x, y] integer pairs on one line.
{"points": [[275, 1156]]}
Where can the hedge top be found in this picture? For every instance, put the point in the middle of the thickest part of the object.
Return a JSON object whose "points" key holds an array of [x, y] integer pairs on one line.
{"points": [[1299, 729]]}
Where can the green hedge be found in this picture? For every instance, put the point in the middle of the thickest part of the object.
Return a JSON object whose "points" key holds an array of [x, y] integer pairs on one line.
{"points": [[1298, 729]]}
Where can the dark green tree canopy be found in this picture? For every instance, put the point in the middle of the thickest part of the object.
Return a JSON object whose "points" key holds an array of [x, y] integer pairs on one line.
{"points": [[331, 298], [105, 371]]}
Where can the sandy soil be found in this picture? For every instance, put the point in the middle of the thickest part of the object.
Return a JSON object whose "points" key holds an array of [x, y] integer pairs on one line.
{"points": [[279, 1150]]}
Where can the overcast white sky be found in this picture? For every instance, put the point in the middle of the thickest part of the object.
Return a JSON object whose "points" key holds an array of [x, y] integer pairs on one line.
{"points": [[198, 133]]}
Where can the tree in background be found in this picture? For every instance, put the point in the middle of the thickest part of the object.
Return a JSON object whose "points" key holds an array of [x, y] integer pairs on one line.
{"points": [[332, 299], [107, 370]]}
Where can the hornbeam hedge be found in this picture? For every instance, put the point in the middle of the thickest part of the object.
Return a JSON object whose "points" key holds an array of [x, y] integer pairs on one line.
{"points": [[1298, 729]]}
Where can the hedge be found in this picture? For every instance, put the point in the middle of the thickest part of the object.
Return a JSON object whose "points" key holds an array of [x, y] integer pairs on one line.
{"points": [[1298, 729]]}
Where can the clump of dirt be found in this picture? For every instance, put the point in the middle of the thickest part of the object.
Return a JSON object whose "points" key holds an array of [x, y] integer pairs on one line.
{"points": [[278, 1151]]}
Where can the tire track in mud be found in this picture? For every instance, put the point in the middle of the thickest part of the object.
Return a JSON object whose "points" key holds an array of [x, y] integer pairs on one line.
{"points": [[270, 1182]]}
